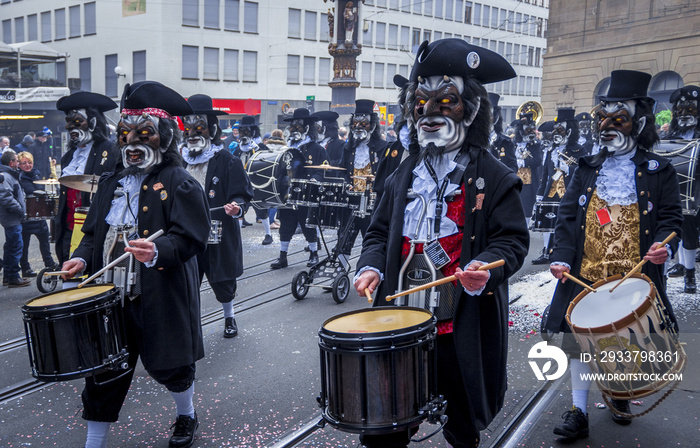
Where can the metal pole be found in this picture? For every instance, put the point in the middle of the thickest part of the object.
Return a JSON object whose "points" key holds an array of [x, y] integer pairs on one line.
{"points": [[304, 432]]}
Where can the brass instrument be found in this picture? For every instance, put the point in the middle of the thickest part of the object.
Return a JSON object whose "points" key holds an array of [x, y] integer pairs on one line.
{"points": [[569, 160], [531, 107]]}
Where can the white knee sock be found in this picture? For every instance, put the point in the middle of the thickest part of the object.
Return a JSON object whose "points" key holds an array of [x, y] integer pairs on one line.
{"points": [[579, 385], [284, 246], [688, 257], [97, 434], [545, 237], [313, 247], [183, 401], [266, 225], [228, 309]]}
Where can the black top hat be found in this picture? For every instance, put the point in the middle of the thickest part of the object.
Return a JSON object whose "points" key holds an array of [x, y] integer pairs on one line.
{"points": [[248, 121], [528, 116], [152, 94], [686, 93], [455, 57], [494, 98], [400, 81], [565, 114], [301, 113], [583, 116], [83, 100], [547, 126], [628, 85], [202, 104], [364, 107], [327, 116]]}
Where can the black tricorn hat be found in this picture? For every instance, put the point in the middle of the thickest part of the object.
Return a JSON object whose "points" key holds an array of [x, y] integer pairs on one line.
{"points": [[400, 81], [327, 116], [83, 100], [202, 104], [628, 85], [494, 98], [583, 116], [547, 126], [364, 107], [248, 121], [301, 113], [565, 114], [686, 93], [455, 57], [152, 94]]}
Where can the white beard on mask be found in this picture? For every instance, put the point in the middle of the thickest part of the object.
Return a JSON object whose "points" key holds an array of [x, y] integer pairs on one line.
{"points": [[615, 141], [197, 145], [83, 138], [449, 135], [142, 157]]}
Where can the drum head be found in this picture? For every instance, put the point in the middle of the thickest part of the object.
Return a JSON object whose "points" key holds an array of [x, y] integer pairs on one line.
{"points": [[377, 320], [69, 295], [600, 308]]}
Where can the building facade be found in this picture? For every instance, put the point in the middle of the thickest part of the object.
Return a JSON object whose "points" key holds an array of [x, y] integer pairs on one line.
{"points": [[590, 38], [268, 57]]}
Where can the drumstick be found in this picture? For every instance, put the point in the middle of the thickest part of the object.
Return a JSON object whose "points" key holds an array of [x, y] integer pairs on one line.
{"points": [[49, 274], [641, 263], [575, 280], [118, 260], [220, 207], [483, 267], [369, 295]]}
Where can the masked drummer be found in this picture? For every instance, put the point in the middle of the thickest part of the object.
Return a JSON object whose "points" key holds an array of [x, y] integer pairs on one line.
{"points": [[149, 191], [89, 152], [482, 223], [686, 126], [301, 139], [327, 129], [620, 204], [528, 155], [228, 190]]}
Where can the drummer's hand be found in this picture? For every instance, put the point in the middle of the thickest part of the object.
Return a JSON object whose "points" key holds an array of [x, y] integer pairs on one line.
{"points": [[471, 279], [74, 266], [144, 251], [657, 254], [558, 270], [232, 209], [368, 279]]}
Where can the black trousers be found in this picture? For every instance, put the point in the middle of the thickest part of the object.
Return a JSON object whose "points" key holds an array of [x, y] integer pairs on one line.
{"points": [[689, 231], [289, 218], [223, 291], [460, 429], [104, 394], [359, 225], [41, 230]]}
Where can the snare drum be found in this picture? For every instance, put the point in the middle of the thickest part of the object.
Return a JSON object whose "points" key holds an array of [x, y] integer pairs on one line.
{"points": [[627, 332], [544, 216], [305, 193], [41, 206], [324, 217], [215, 231], [360, 202], [75, 333], [332, 193], [269, 173], [378, 369]]}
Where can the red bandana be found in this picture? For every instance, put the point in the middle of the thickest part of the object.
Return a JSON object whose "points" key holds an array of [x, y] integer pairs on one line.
{"points": [[149, 111]]}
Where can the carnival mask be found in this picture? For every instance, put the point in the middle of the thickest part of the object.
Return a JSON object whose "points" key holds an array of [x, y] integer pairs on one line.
{"points": [[616, 126], [361, 127], [320, 131], [247, 134], [79, 127], [440, 113], [196, 134], [529, 132], [560, 134], [686, 113], [139, 142], [584, 128], [547, 140], [297, 131]]}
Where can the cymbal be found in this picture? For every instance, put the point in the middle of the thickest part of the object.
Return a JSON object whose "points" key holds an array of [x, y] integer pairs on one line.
{"points": [[47, 182], [80, 182], [325, 166], [367, 177]]}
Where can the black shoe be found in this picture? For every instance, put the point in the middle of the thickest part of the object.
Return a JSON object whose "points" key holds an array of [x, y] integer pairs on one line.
{"points": [[313, 259], [307, 248], [28, 273], [676, 271], [267, 240], [281, 261], [16, 283], [185, 429], [230, 328], [245, 223], [690, 287], [622, 406], [575, 424], [542, 259]]}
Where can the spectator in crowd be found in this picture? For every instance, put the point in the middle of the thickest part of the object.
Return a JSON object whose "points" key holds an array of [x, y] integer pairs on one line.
{"points": [[11, 216], [42, 157], [4, 144], [26, 143]]}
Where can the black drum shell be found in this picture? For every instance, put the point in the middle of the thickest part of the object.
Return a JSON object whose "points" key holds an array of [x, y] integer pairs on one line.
{"points": [[75, 339], [376, 383]]}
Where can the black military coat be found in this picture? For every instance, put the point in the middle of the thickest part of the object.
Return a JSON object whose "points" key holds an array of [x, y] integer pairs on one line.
{"points": [[503, 149]]}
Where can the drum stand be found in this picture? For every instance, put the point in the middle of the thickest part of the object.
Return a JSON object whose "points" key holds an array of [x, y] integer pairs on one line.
{"points": [[331, 267]]}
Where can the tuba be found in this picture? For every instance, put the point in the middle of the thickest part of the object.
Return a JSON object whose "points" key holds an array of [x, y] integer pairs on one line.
{"points": [[532, 107]]}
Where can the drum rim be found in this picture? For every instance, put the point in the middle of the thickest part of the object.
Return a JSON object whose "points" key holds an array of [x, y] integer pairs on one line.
{"points": [[58, 306], [427, 323], [625, 321]]}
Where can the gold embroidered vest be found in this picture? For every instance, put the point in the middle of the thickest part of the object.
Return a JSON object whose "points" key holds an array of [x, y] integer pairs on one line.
{"points": [[361, 184]]}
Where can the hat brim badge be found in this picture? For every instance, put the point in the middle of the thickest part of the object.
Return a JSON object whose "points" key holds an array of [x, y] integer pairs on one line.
{"points": [[473, 60]]}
